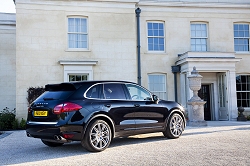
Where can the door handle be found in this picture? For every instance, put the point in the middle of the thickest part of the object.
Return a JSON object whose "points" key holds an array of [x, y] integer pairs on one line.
{"points": [[137, 105], [107, 105]]}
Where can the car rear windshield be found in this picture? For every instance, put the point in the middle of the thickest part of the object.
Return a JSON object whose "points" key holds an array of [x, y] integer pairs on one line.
{"points": [[57, 91], [55, 95]]}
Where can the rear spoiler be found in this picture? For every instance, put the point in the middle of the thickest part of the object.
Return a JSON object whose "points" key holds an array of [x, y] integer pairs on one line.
{"points": [[60, 87]]}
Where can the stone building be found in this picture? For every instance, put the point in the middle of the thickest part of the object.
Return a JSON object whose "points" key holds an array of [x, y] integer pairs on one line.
{"points": [[73, 40], [7, 61]]}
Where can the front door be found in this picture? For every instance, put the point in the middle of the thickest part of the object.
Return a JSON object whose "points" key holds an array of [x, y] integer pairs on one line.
{"points": [[147, 114], [222, 88], [204, 94]]}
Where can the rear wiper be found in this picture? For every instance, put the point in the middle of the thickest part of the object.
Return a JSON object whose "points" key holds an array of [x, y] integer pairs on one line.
{"points": [[47, 98]]}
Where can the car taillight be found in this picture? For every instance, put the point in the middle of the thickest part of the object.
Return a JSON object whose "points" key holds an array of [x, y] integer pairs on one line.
{"points": [[66, 107], [29, 110]]}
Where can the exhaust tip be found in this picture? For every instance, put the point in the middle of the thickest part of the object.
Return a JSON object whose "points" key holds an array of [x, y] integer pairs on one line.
{"points": [[57, 137], [28, 134]]}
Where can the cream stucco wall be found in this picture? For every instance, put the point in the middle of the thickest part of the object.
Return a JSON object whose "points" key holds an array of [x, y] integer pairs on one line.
{"points": [[42, 38], [177, 18], [42, 42], [7, 61]]}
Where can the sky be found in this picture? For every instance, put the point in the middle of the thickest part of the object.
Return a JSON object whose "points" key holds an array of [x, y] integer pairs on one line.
{"points": [[7, 6]]}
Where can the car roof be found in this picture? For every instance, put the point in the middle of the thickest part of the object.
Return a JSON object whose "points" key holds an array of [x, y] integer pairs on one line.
{"points": [[99, 81], [77, 84]]}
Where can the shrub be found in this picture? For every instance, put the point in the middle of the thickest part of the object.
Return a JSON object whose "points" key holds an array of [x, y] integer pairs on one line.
{"points": [[15, 124], [7, 118], [22, 124], [33, 93]]}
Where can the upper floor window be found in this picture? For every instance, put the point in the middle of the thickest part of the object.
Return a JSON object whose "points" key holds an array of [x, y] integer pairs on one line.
{"points": [[199, 37], [157, 85], [241, 37], [77, 33], [156, 37]]}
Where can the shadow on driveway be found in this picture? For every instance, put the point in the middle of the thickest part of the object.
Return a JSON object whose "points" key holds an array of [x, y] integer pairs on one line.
{"points": [[16, 148], [28, 150]]}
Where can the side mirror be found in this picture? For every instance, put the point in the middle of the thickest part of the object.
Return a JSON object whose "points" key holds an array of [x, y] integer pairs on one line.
{"points": [[155, 99]]}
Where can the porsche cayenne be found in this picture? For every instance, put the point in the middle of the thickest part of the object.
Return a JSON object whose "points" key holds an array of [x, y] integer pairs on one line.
{"points": [[94, 112]]}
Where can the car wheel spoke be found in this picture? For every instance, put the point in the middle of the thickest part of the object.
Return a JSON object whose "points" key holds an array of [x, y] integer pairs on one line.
{"points": [[94, 140], [96, 130], [104, 141], [99, 126]]}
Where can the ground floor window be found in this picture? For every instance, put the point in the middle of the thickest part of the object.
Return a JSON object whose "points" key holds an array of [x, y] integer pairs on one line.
{"points": [[78, 77], [157, 85], [243, 90]]}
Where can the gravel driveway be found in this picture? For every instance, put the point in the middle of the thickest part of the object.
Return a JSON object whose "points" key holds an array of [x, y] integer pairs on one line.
{"points": [[220, 143]]}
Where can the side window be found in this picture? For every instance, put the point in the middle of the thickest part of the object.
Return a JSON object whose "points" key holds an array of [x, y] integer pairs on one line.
{"points": [[94, 92], [243, 90], [113, 91], [138, 93]]}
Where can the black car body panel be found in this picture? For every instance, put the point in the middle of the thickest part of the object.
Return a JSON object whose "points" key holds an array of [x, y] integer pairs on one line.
{"points": [[67, 109]]}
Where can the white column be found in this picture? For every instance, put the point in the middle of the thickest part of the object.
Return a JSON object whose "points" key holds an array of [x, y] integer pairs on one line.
{"points": [[232, 98], [183, 89]]}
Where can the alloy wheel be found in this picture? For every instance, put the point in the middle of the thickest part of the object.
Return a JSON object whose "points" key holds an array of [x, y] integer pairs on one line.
{"points": [[100, 135], [176, 125]]}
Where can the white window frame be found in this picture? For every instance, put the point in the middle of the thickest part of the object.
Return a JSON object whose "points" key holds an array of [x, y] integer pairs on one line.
{"points": [[161, 92], [198, 37], [78, 67], [156, 36], [77, 70], [79, 33], [242, 37]]}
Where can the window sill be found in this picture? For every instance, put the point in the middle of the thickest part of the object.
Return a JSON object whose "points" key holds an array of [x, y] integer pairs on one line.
{"points": [[77, 50], [242, 53], [247, 109], [156, 52]]}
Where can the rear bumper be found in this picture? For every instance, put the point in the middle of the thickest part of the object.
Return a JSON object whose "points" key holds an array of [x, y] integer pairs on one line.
{"points": [[48, 130]]}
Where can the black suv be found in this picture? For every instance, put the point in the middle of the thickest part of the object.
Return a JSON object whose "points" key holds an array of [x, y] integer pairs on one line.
{"points": [[94, 112]]}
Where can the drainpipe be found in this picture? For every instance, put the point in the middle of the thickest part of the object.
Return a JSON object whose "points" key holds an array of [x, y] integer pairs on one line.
{"points": [[138, 11], [175, 70]]}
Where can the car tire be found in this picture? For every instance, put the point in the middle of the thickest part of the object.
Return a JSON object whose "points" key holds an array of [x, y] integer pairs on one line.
{"points": [[174, 127], [97, 136], [51, 144]]}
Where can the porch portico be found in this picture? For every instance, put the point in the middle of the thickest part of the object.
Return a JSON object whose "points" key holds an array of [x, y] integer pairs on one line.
{"points": [[218, 82]]}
